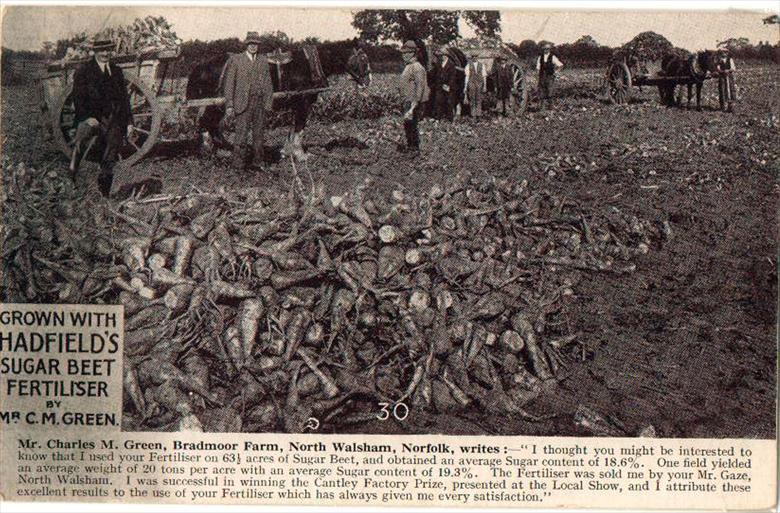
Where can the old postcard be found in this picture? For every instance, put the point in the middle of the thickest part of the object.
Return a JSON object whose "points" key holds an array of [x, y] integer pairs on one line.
{"points": [[514, 258]]}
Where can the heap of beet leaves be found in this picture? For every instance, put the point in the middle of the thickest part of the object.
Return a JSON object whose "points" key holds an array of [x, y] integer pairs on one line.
{"points": [[247, 311]]}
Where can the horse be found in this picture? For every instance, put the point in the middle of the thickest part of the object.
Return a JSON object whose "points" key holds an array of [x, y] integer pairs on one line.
{"points": [[693, 67], [297, 70]]}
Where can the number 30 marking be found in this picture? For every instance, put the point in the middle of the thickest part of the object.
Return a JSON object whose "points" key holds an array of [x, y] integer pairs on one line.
{"points": [[399, 411]]}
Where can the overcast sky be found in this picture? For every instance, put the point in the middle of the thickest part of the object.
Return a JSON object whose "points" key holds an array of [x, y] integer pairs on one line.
{"points": [[26, 27]]}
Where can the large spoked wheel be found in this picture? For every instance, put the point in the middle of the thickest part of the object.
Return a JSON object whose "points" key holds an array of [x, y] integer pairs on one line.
{"points": [[147, 118], [521, 96], [619, 83]]}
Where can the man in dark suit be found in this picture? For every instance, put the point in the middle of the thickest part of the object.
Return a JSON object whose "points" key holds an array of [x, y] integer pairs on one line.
{"points": [[248, 94], [447, 82], [502, 80], [102, 111]]}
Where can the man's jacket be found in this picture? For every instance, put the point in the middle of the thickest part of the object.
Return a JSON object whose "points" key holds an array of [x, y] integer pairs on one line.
{"points": [[448, 75], [243, 77], [102, 97]]}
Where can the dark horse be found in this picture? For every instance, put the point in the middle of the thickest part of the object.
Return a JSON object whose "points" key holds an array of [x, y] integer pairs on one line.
{"points": [[691, 69], [297, 70]]}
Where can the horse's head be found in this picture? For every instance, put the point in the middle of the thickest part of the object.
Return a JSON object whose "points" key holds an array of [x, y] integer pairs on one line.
{"points": [[707, 61]]}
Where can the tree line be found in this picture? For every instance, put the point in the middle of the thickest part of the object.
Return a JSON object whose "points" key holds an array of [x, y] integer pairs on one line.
{"points": [[382, 30]]}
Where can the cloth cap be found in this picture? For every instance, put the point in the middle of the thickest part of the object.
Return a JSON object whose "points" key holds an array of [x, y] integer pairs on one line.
{"points": [[252, 38], [409, 46]]}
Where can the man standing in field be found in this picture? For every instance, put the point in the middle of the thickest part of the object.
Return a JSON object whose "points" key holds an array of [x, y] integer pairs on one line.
{"points": [[475, 84], [434, 65], [727, 89], [248, 94], [358, 65], [102, 111], [502, 78], [547, 64], [446, 82], [414, 93]]}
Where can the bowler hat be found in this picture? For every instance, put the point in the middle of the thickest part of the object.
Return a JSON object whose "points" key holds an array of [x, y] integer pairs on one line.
{"points": [[252, 38], [452, 53], [100, 43], [546, 45]]}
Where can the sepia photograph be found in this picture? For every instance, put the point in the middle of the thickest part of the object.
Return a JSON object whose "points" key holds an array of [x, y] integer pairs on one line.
{"points": [[349, 220]]}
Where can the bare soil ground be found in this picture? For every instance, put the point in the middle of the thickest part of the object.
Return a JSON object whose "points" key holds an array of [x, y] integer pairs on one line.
{"points": [[687, 343]]}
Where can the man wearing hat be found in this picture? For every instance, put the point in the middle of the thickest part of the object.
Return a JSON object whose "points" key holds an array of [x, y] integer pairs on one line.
{"points": [[475, 84], [102, 111], [727, 88], [434, 65], [546, 65], [414, 93], [447, 83], [502, 78], [358, 65], [248, 94]]}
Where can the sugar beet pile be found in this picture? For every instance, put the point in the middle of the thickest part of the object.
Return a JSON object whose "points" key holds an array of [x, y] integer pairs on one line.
{"points": [[252, 311], [144, 35]]}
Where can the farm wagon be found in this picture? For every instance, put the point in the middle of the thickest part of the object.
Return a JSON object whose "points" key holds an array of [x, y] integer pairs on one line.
{"points": [[625, 72], [161, 112]]}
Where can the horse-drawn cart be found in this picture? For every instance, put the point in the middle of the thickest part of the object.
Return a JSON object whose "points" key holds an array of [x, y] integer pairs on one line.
{"points": [[160, 108], [625, 72]]}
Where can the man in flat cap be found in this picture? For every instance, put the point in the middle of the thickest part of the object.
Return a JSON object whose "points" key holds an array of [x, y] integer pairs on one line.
{"points": [[414, 93], [475, 84], [102, 111], [502, 80], [248, 95], [547, 64], [727, 88], [358, 65]]}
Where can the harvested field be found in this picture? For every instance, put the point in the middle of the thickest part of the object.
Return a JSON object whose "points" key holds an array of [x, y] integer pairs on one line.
{"points": [[643, 245]]}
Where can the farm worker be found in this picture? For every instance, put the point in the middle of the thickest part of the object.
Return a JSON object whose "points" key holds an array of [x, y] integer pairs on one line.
{"points": [[102, 111], [502, 78], [248, 94], [414, 93], [546, 65], [727, 89], [358, 65], [458, 79], [432, 106], [475, 84], [446, 81]]}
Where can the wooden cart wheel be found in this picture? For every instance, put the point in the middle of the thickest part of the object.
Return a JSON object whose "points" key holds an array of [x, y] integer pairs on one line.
{"points": [[522, 96], [619, 83], [147, 118]]}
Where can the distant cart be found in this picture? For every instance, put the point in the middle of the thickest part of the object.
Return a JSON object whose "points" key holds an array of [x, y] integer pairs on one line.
{"points": [[623, 73], [161, 113]]}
